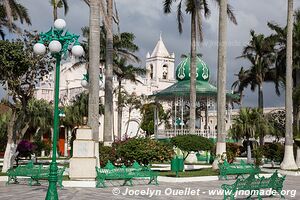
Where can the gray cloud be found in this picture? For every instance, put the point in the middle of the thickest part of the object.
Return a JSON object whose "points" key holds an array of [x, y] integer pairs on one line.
{"points": [[146, 20]]}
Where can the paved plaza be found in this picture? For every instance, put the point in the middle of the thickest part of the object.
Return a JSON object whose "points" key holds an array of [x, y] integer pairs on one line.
{"points": [[192, 190]]}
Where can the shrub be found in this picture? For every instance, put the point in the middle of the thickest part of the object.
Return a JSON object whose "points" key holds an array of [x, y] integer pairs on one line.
{"points": [[25, 148], [191, 143], [143, 150], [258, 154], [42, 146], [232, 150], [273, 151], [107, 153]]}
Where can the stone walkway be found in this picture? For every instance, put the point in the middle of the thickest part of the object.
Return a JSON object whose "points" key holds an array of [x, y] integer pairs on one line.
{"points": [[165, 191]]}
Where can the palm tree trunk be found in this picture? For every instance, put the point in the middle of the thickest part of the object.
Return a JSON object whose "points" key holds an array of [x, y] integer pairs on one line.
{"points": [[119, 110], [54, 11], [94, 52], [260, 97], [108, 108], [193, 74], [289, 160], [129, 118], [221, 96], [261, 107]]}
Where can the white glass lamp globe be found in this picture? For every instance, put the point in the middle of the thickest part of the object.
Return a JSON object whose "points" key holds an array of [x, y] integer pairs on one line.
{"points": [[55, 46], [60, 24], [39, 48], [77, 50], [84, 83]]}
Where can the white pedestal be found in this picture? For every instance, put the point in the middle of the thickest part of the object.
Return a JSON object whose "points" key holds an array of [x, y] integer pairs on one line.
{"points": [[83, 162]]}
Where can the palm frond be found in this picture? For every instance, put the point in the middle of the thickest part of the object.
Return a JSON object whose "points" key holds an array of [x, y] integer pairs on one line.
{"points": [[66, 6], [167, 4]]}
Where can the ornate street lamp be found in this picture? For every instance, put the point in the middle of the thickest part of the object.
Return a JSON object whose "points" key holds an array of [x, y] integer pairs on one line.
{"points": [[58, 42]]}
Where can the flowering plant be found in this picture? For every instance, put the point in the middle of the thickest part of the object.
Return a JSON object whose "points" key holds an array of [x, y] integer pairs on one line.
{"points": [[25, 148]]}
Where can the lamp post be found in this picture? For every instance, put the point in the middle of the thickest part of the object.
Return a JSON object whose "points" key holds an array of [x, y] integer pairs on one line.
{"points": [[58, 41]]}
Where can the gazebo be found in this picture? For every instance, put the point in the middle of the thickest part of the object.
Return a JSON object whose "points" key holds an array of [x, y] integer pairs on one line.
{"points": [[178, 96]]}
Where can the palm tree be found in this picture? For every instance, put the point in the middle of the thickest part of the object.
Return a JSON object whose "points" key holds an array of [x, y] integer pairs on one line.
{"points": [[288, 159], [11, 11], [241, 83], [59, 4], [247, 125], [123, 46], [109, 108], [194, 8], [124, 72], [94, 52], [260, 53], [40, 114], [280, 37], [77, 110], [221, 85], [133, 102]]}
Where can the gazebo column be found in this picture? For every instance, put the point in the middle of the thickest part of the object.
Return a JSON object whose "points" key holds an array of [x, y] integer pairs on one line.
{"points": [[206, 116], [172, 115], [181, 121], [175, 113]]}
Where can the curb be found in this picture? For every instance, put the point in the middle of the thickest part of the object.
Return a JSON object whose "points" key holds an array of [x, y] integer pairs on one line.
{"points": [[187, 179], [283, 172], [3, 178]]}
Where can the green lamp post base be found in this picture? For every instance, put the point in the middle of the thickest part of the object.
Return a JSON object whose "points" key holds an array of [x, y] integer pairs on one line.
{"points": [[52, 188]]}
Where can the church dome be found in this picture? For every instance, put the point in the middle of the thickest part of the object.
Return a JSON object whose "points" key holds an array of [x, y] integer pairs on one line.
{"points": [[183, 70]]}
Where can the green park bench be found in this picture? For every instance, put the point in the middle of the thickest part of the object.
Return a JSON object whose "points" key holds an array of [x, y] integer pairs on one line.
{"points": [[111, 172], [238, 169], [254, 185], [203, 158], [34, 172]]}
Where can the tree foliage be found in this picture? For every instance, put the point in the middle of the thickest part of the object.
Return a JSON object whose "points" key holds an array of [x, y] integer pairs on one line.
{"points": [[191, 143], [147, 112], [10, 12], [260, 53], [22, 70], [78, 109], [250, 123], [40, 113]]}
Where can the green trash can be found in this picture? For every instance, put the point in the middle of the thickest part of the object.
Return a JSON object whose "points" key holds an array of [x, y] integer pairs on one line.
{"points": [[177, 165]]}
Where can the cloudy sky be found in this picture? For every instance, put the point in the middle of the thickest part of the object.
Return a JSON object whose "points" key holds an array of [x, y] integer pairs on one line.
{"points": [[145, 18]]}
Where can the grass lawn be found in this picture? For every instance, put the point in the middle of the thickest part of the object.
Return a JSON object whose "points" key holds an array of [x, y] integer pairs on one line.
{"points": [[66, 178], [3, 174], [192, 173]]}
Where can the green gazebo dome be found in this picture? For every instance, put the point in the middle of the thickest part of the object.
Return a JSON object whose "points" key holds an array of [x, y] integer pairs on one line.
{"points": [[183, 70]]}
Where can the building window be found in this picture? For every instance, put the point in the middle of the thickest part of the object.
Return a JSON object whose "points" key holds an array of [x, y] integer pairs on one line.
{"points": [[151, 71], [165, 72]]}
